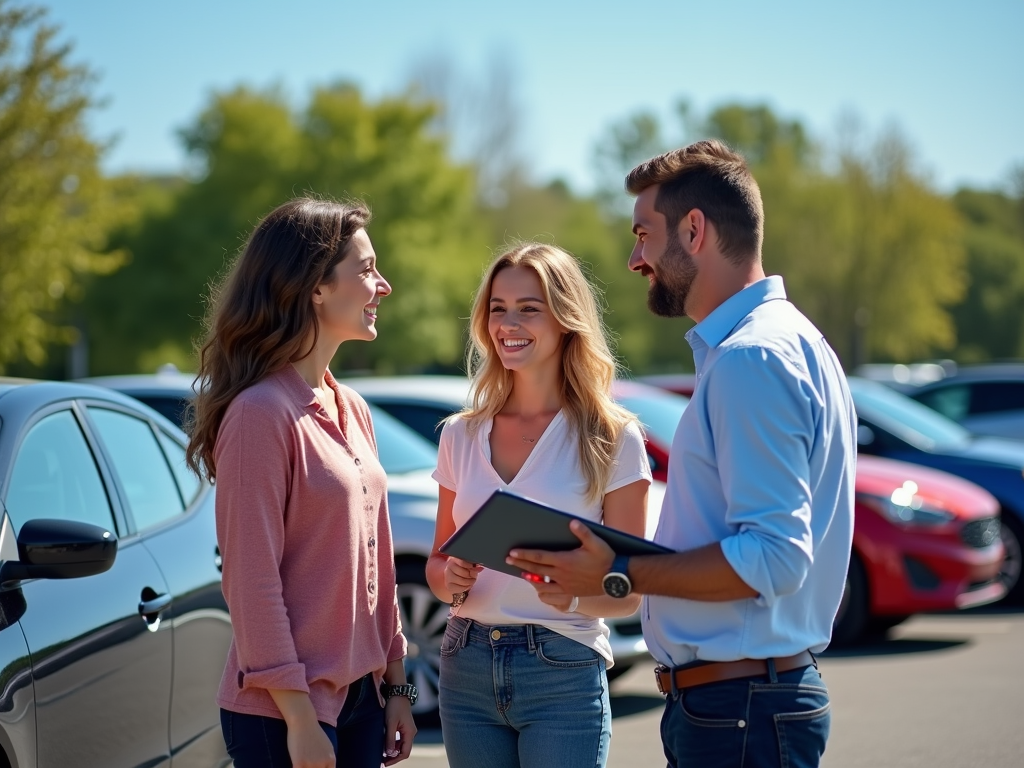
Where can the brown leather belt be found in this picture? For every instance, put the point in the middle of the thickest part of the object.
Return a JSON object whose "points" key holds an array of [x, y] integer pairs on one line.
{"points": [[717, 671]]}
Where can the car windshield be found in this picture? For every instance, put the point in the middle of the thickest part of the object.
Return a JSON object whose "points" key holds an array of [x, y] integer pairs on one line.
{"points": [[399, 448], [907, 419], [659, 413]]}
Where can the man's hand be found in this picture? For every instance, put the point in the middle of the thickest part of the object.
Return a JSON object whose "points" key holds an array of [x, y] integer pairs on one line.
{"points": [[578, 572], [398, 718]]}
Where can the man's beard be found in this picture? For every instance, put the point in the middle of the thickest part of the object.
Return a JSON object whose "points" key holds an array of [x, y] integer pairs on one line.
{"points": [[672, 282]]}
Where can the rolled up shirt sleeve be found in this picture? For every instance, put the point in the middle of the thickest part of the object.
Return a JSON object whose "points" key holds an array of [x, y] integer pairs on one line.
{"points": [[254, 468], [763, 419]]}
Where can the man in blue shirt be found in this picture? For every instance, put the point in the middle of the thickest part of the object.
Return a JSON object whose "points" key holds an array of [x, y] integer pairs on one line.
{"points": [[759, 503]]}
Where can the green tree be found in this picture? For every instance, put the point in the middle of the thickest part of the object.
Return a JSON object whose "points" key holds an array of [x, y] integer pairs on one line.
{"points": [[254, 152], [869, 251], [55, 207], [990, 320]]}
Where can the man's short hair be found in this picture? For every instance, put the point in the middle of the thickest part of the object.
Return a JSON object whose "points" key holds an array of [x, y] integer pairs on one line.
{"points": [[707, 175]]}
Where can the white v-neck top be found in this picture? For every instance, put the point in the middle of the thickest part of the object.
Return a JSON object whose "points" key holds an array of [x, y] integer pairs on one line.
{"points": [[550, 475]]}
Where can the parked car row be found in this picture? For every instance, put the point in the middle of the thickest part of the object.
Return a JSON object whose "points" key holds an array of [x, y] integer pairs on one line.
{"points": [[894, 426], [113, 594]]}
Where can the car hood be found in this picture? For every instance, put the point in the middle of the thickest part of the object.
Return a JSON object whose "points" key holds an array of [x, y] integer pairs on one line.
{"points": [[995, 450], [880, 477], [417, 483]]}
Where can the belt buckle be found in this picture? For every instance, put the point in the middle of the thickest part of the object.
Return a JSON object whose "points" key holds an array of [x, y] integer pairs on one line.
{"points": [[658, 672]]}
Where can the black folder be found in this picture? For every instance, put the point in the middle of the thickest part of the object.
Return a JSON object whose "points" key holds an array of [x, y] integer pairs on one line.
{"points": [[507, 521]]}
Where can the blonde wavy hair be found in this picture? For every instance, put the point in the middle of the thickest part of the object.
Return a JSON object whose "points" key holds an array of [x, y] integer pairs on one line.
{"points": [[588, 367]]}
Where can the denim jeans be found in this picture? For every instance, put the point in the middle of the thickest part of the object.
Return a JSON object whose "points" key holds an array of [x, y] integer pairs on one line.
{"points": [[255, 741], [778, 721], [521, 696]]}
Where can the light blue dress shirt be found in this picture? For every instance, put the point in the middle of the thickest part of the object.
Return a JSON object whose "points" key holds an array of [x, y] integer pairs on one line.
{"points": [[763, 462]]}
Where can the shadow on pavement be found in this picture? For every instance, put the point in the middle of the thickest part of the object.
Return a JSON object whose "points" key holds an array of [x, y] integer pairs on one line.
{"points": [[893, 648], [627, 704]]}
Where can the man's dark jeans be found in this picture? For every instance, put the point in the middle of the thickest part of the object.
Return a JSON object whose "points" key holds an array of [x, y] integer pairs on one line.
{"points": [[254, 741], [776, 721]]}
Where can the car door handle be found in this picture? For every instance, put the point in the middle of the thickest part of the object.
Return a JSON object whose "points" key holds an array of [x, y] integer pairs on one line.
{"points": [[151, 608]]}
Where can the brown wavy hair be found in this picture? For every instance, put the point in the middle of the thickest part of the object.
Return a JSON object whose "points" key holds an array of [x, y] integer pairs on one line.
{"points": [[710, 176], [588, 367], [261, 314]]}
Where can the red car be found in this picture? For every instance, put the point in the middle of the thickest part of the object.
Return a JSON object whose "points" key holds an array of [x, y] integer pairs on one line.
{"points": [[923, 540]]}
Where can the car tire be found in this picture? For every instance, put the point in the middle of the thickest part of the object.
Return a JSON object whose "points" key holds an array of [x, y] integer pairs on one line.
{"points": [[1012, 533], [851, 621], [424, 619]]}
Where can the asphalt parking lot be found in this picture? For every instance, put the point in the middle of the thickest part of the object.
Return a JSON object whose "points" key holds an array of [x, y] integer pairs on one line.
{"points": [[944, 691]]}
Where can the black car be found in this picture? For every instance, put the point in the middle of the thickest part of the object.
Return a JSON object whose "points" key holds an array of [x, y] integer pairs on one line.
{"points": [[113, 628]]}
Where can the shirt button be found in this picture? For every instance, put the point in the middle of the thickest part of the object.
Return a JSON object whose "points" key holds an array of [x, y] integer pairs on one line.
{"points": [[741, 724], [495, 634]]}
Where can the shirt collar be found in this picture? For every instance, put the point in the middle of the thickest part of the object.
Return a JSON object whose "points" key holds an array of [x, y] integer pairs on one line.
{"points": [[716, 327]]}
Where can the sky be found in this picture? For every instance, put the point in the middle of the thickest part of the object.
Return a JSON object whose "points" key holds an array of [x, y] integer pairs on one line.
{"points": [[948, 75]]}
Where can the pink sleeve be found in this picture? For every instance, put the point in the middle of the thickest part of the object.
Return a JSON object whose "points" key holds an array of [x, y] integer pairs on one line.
{"points": [[254, 468]]}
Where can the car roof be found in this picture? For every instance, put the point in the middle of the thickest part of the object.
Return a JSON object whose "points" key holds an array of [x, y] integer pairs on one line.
{"points": [[20, 398], [445, 389], [975, 373], [162, 382]]}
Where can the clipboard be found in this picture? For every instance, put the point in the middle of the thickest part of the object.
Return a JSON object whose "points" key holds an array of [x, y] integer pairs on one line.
{"points": [[507, 521]]}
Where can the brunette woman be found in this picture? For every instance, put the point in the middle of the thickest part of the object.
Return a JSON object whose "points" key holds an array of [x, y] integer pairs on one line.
{"points": [[523, 671], [314, 675]]}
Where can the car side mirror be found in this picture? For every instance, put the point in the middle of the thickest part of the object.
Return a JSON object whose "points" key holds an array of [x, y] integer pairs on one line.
{"points": [[59, 549], [865, 435]]}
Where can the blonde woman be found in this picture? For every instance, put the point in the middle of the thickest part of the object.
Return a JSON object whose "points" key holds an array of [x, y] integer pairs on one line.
{"points": [[523, 669]]}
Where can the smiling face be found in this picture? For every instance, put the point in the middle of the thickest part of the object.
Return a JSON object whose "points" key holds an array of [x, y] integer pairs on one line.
{"points": [[520, 323], [346, 303], [660, 257]]}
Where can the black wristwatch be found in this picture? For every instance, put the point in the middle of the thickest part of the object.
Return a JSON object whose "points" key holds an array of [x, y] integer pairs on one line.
{"points": [[408, 690], [616, 582]]}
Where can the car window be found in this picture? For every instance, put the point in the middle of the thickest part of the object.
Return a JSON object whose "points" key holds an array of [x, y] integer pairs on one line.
{"points": [[55, 476], [907, 419], [952, 402], [188, 482], [170, 407], [422, 418], [659, 415], [398, 447], [997, 396], [140, 464]]}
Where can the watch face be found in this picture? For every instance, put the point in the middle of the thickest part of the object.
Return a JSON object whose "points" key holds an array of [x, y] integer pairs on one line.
{"points": [[617, 585]]}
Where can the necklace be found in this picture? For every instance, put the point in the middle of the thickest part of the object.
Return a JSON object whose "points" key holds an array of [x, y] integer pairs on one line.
{"points": [[529, 440]]}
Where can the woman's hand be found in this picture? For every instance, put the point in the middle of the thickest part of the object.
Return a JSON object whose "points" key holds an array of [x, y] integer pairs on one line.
{"points": [[308, 745], [459, 575], [398, 719]]}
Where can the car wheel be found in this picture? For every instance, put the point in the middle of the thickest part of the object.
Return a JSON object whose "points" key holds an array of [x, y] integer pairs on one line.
{"points": [[1012, 533], [424, 619], [851, 620]]}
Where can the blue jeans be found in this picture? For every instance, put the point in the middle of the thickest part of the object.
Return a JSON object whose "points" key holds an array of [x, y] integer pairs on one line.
{"points": [[778, 721], [521, 695], [255, 741]]}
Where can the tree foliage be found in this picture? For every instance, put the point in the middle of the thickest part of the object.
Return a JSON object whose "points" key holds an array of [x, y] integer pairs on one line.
{"points": [[55, 207], [254, 152], [869, 251]]}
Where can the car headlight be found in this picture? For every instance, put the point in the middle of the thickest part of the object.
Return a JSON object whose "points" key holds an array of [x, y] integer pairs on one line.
{"points": [[905, 507]]}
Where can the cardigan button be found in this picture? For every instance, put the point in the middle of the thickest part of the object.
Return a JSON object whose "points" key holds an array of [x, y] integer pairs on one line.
{"points": [[371, 587], [373, 541]]}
